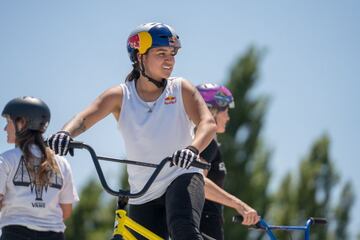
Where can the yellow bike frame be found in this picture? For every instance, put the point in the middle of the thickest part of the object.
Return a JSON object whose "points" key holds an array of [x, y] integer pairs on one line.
{"points": [[123, 223]]}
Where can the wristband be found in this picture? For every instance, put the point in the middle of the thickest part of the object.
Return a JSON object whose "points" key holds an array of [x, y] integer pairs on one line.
{"points": [[65, 132], [193, 149]]}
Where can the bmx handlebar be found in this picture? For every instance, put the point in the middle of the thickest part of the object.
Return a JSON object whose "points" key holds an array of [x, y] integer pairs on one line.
{"points": [[121, 192]]}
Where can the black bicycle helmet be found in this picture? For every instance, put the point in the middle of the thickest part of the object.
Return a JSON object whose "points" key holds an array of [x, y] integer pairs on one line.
{"points": [[35, 112]]}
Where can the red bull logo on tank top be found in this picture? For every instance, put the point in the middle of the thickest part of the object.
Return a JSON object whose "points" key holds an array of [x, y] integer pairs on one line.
{"points": [[170, 100]]}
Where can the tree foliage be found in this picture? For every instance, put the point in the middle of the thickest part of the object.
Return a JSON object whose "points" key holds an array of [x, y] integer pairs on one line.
{"points": [[308, 194], [299, 196], [342, 211], [246, 158], [93, 216]]}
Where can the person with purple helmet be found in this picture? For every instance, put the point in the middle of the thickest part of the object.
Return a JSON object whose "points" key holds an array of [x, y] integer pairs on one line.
{"points": [[156, 114], [219, 99]]}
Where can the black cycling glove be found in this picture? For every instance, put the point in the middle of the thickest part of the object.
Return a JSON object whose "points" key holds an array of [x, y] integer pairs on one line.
{"points": [[184, 157], [59, 143]]}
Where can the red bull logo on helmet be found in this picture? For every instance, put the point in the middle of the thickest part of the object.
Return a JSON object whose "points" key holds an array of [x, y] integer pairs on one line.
{"points": [[134, 41], [141, 41]]}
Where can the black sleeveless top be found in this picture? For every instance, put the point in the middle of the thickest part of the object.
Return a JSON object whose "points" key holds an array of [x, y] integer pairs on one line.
{"points": [[216, 174]]}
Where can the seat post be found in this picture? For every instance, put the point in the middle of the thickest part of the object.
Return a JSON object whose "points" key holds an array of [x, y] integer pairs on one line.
{"points": [[122, 202]]}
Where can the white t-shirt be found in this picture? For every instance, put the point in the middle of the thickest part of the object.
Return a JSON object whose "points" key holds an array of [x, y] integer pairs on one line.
{"points": [[152, 132], [29, 204]]}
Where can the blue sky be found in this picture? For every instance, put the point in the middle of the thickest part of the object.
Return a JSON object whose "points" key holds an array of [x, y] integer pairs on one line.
{"points": [[68, 52]]}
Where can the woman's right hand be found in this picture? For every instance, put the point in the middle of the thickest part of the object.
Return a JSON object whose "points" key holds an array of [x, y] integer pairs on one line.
{"points": [[249, 214]]}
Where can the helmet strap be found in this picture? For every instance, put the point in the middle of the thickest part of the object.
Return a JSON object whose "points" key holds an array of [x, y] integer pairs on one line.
{"points": [[19, 132], [156, 83]]}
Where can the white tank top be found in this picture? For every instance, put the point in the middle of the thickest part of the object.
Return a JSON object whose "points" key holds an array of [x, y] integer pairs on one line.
{"points": [[152, 132]]}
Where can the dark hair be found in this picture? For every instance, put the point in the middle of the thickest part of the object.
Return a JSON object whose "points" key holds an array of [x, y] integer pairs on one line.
{"points": [[134, 74], [25, 140]]}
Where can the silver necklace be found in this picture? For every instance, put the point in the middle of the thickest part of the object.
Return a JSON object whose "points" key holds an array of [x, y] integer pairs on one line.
{"points": [[150, 106]]}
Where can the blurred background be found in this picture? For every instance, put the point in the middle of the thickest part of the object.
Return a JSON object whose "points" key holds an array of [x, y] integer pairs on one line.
{"points": [[294, 63]]}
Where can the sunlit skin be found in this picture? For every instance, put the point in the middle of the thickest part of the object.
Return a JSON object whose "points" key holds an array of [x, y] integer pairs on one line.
{"points": [[221, 118], [217, 194], [10, 130], [159, 62]]}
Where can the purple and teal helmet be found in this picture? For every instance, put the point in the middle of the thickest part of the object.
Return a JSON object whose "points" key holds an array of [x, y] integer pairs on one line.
{"points": [[150, 35], [216, 96]]}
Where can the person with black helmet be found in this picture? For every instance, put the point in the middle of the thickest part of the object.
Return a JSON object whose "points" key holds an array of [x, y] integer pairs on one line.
{"points": [[36, 187], [219, 99], [156, 115]]}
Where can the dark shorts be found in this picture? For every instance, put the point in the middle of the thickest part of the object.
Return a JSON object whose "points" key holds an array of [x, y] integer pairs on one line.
{"points": [[177, 213], [17, 232], [211, 227]]}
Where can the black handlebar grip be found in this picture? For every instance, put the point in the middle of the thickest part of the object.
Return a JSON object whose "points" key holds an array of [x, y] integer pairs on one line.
{"points": [[76, 144], [316, 220], [202, 165], [237, 219]]}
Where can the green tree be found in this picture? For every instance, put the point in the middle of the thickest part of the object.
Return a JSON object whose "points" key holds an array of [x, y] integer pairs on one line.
{"points": [[342, 211], [283, 206], [246, 158], [309, 195], [92, 217], [316, 182]]}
